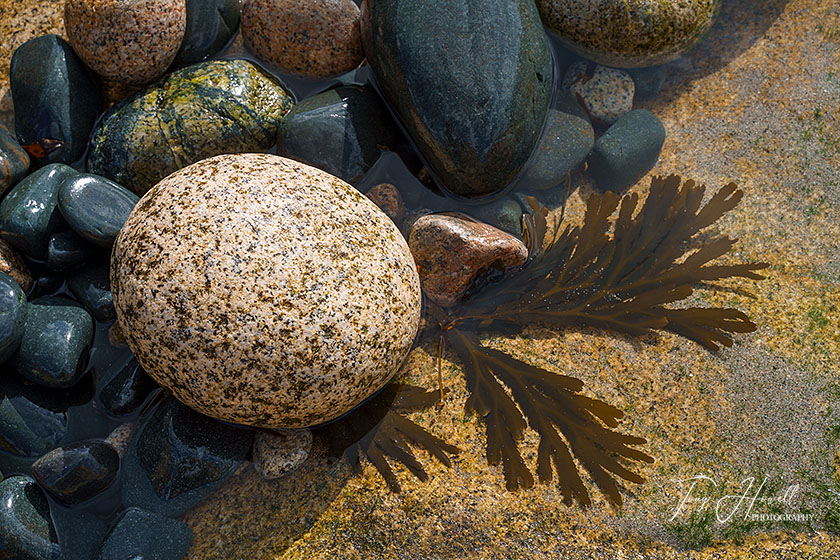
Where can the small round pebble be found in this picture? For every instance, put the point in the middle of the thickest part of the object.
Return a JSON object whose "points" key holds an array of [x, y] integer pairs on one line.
{"points": [[95, 207], [279, 453], [627, 150], [313, 39], [606, 93], [126, 40], [389, 199], [75, 473], [263, 291]]}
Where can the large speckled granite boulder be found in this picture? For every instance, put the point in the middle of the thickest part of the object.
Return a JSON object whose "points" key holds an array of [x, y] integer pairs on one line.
{"points": [[629, 33], [212, 108], [470, 80], [263, 291]]}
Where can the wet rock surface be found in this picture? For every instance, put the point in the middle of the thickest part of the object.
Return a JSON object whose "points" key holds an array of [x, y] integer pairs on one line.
{"points": [[141, 534], [280, 453], [26, 529], [77, 472]]}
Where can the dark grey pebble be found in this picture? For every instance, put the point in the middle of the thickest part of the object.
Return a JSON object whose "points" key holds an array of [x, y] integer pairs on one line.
{"points": [[91, 285], [127, 390], [13, 307], [77, 472], [566, 141], [14, 161], [627, 150], [54, 96], [211, 24], [95, 207], [26, 529], [67, 251], [145, 535], [55, 345], [29, 214]]}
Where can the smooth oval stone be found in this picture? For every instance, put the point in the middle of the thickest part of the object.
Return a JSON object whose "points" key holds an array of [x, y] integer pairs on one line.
{"points": [[605, 93], [265, 292], [12, 263], [124, 40], [470, 80], [142, 535], [13, 307], [339, 131], [77, 472], [127, 390], [216, 107], [26, 528], [14, 161], [630, 33], [54, 96], [29, 214], [95, 207], [211, 24], [389, 199], [91, 285], [276, 454], [504, 213], [55, 344], [563, 147], [627, 150], [67, 251], [453, 251]]}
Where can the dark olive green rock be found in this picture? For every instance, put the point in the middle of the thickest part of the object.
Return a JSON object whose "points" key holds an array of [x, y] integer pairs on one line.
{"points": [[77, 472], [216, 107], [470, 80], [67, 251], [504, 213], [29, 214], [12, 316], [211, 24], [627, 150], [55, 344], [14, 161], [142, 535], [26, 529], [95, 207], [54, 96], [91, 285], [339, 131], [564, 145], [127, 390]]}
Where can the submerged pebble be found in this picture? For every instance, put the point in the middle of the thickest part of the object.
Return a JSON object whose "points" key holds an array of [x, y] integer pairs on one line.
{"points": [[264, 292], [91, 286], [29, 214], [14, 161], [67, 251], [453, 251], [127, 390], [389, 200], [627, 150], [26, 528], [210, 25], [316, 38], [32, 420], [504, 213], [281, 452], [124, 40], [605, 93], [564, 145], [77, 472], [54, 348], [143, 535]]}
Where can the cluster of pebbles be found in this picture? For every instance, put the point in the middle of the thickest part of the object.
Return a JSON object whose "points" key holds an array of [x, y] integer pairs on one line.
{"points": [[167, 284]]}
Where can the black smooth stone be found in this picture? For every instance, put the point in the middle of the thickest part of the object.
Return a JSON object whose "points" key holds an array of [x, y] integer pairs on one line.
{"points": [[469, 80], [211, 24], [339, 131], [46, 285], [95, 207], [67, 251], [55, 345], [26, 529], [13, 307], [54, 96], [143, 535], [29, 214], [128, 389], [91, 285], [14, 161], [77, 472]]}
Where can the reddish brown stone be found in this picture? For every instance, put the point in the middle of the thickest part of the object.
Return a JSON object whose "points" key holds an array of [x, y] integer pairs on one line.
{"points": [[13, 264], [389, 199], [316, 38], [452, 250]]}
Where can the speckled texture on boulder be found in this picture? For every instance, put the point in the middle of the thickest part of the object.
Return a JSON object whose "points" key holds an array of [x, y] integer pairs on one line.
{"points": [[126, 41], [264, 292], [629, 33], [453, 250], [315, 38], [605, 93], [211, 108]]}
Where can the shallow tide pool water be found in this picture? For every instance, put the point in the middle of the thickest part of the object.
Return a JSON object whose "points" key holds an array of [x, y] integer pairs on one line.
{"points": [[758, 104]]}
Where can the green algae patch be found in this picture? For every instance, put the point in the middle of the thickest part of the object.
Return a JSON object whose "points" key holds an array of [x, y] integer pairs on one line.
{"points": [[213, 108]]}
